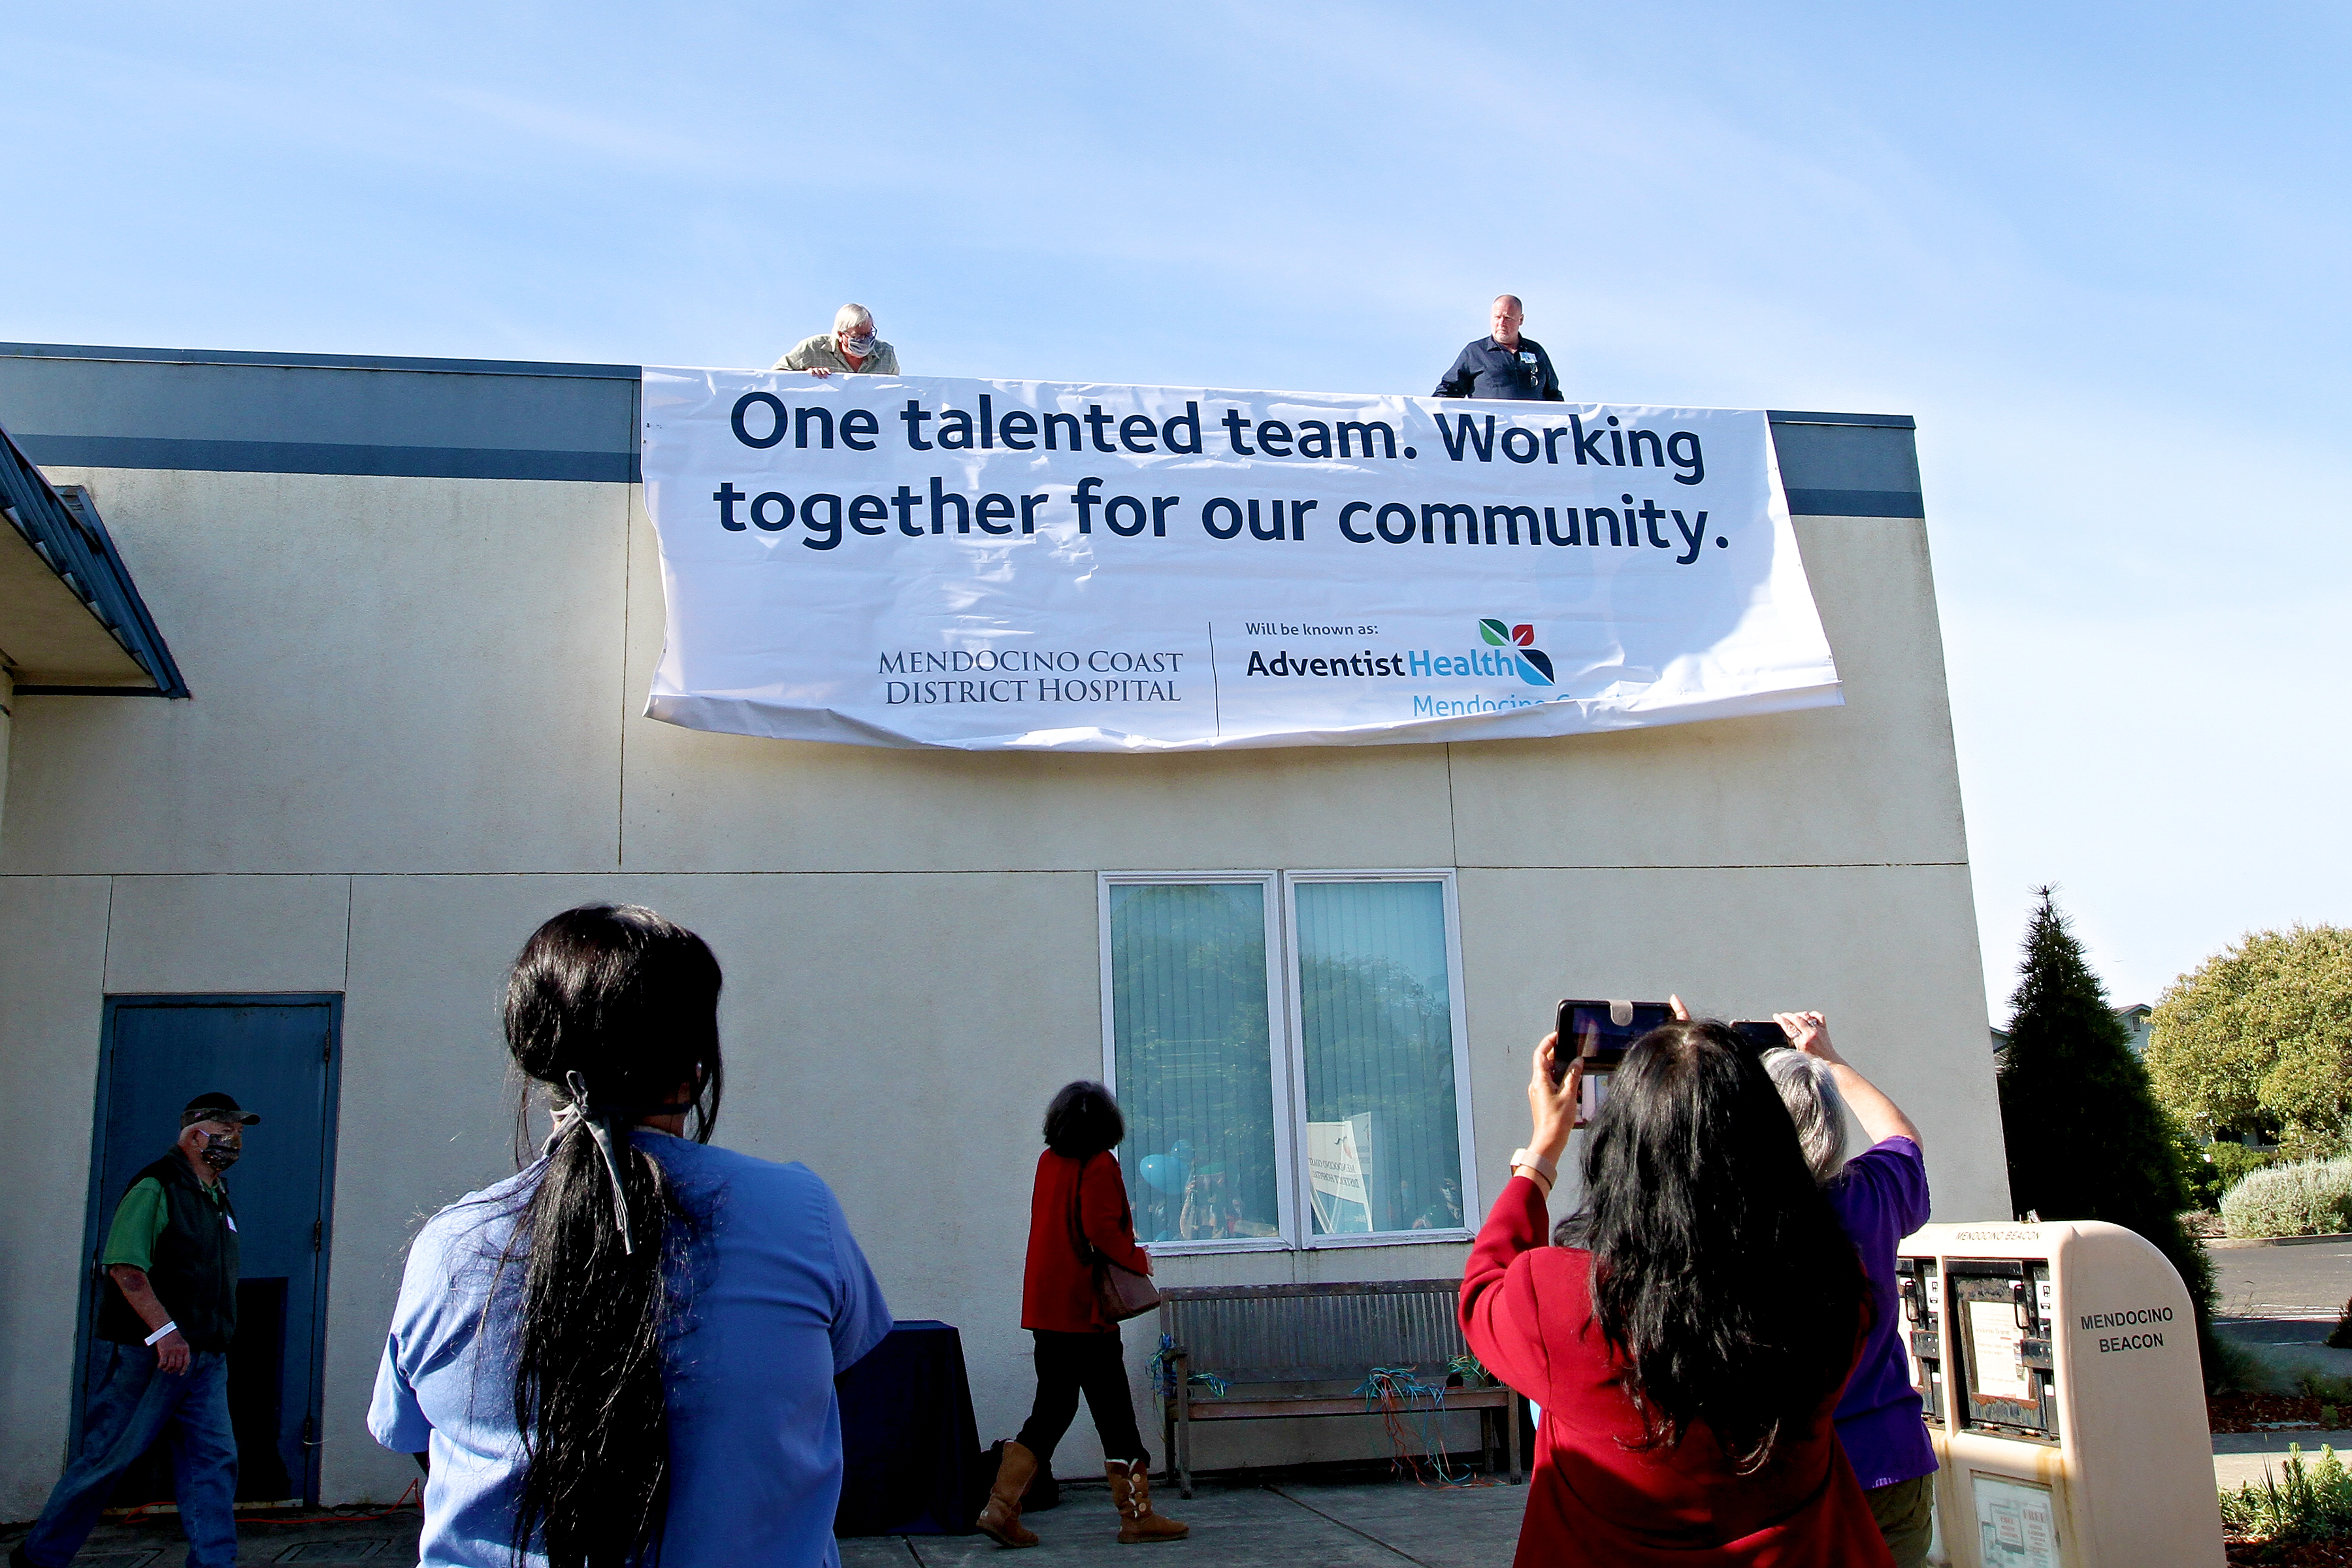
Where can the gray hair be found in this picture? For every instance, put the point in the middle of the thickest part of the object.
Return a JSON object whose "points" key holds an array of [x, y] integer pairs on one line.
{"points": [[1810, 1093], [852, 316]]}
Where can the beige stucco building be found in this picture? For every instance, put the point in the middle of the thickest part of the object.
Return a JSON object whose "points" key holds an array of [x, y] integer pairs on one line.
{"points": [[416, 604]]}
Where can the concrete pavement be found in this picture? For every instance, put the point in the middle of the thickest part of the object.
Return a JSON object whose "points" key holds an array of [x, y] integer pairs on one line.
{"points": [[1308, 1523]]}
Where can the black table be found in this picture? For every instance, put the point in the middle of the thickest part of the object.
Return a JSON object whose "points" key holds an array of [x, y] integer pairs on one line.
{"points": [[913, 1461]]}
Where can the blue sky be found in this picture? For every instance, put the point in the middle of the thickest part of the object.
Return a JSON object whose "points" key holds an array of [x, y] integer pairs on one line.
{"points": [[2098, 251]]}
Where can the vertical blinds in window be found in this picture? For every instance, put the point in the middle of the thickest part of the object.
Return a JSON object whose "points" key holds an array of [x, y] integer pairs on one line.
{"points": [[1383, 1149], [1194, 1061]]}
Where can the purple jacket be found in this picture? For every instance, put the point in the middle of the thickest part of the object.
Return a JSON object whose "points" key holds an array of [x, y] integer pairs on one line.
{"points": [[1882, 1197]]}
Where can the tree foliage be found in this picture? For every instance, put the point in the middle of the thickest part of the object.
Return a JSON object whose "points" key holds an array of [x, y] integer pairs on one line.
{"points": [[2086, 1139], [2259, 1040]]}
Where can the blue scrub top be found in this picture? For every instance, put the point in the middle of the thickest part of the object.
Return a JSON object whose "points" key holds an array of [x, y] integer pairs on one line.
{"points": [[782, 1301]]}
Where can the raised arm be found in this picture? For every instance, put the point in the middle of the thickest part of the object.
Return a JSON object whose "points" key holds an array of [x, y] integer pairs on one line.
{"points": [[1498, 1310], [1880, 1117]]}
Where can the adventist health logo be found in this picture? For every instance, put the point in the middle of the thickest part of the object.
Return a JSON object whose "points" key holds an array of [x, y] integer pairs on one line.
{"points": [[1515, 652], [1519, 656], [1534, 664]]}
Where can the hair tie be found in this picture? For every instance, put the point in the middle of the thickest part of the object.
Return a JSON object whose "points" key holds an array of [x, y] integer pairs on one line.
{"points": [[600, 1128]]}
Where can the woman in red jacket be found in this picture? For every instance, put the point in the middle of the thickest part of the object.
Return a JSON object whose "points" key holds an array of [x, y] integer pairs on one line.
{"points": [[1688, 1334], [1078, 1190]]}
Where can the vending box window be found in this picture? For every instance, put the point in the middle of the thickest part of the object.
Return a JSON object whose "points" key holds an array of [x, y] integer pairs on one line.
{"points": [[2058, 1366]]}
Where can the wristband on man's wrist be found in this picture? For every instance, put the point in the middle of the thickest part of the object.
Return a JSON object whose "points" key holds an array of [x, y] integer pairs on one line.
{"points": [[159, 1333]]}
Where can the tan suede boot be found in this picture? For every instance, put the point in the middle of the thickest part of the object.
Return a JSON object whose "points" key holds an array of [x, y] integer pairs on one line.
{"points": [[1001, 1519], [1131, 1493]]}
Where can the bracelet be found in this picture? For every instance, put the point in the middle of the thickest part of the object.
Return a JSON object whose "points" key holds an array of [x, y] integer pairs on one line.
{"points": [[159, 1333], [1535, 1174], [1535, 1162]]}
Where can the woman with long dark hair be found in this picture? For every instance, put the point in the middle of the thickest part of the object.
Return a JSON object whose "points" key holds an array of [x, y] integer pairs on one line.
{"points": [[1077, 1211], [1689, 1330], [625, 1354]]}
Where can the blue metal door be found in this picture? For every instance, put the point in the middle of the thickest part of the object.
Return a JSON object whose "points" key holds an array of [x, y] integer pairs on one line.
{"points": [[279, 1056]]}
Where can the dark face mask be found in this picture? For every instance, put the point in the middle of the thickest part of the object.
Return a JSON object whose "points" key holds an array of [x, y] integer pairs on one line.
{"points": [[221, 1150]]}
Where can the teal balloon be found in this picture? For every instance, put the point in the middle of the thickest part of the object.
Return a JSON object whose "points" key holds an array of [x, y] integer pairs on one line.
{"points": [[1164, 1172]]}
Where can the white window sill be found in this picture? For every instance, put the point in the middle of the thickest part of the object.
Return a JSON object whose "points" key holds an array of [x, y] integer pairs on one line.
{"points": [[1314, 1244]]}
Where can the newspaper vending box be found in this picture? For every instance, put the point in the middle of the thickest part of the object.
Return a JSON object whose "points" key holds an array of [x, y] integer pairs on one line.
{"points": [[2058, 1364]]}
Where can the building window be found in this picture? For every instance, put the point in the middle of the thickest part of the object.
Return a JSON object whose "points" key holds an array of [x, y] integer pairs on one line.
{"points": [[1287, 1047]]}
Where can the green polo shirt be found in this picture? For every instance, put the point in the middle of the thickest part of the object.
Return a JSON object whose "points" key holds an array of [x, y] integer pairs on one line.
{"points": [[141, 1217]]}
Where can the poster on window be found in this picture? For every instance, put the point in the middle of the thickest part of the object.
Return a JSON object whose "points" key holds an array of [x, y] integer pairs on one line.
{"points": [[1336, 1185], [1040, 565]]}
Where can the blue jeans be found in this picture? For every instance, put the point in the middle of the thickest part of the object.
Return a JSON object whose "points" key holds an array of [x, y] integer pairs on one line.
{"points": [[133, 1405]]}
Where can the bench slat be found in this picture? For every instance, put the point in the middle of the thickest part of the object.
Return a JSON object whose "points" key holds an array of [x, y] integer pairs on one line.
{"points": [[1310, 1405], [1304, 1330], [1261, 1337]]}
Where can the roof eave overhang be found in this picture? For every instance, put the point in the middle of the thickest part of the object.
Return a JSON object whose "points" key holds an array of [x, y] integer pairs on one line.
{"points": [[71, 619]]}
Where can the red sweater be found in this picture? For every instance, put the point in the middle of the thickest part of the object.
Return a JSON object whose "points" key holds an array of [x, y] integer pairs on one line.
{"points": [[1527, 1309], [1057, 1291]]}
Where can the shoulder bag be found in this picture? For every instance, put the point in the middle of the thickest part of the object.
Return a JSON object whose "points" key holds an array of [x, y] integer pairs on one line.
{"points": [[1120, 1291]]}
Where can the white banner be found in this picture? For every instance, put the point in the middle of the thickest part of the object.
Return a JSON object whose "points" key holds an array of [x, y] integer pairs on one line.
{"points": [[996, 564]]}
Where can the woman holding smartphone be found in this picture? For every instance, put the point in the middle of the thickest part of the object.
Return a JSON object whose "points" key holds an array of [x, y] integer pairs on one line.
{"points": [[1687, 1333]]}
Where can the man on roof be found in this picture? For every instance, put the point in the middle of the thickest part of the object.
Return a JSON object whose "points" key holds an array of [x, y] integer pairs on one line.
{"points": [[1502, 363], [850, 347]]}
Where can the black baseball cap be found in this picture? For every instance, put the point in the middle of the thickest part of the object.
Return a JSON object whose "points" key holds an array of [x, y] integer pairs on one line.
{"points": [[216, 1107]]}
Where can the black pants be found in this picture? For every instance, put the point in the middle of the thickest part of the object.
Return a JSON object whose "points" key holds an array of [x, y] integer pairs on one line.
{"points": [[1068, 1365]]}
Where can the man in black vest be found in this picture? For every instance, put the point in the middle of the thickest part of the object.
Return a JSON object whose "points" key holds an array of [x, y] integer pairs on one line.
{"points": [[161, 1357]]}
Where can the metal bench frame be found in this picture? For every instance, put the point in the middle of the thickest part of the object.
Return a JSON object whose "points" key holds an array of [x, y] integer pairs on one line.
{"points": [[1393, 1321]]}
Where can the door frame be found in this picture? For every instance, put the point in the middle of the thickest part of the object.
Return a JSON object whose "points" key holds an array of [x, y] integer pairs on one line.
{"points": [[96, 1215]]}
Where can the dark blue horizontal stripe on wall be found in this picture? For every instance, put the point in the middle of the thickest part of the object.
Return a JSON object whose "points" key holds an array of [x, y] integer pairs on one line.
{"points": [[322, 362], [327, 457], [1871, 421], [1858, 503]]}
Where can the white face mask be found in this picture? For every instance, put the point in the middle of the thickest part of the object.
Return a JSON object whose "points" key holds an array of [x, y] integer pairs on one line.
{"points": [[857, 347]]}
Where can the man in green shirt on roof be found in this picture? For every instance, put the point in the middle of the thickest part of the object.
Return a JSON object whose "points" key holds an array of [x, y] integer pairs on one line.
{"points": [[164, 1324]]}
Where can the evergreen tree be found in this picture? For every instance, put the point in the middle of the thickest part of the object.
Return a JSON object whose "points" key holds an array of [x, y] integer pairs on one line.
{"points": [[2086, 1138]]}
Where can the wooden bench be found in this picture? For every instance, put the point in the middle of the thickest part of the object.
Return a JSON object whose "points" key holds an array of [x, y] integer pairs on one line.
{"points": [[1287, 1351]]}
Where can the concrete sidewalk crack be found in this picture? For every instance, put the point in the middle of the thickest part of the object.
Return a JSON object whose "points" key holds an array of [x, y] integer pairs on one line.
{"points": [[1346, 1526]]}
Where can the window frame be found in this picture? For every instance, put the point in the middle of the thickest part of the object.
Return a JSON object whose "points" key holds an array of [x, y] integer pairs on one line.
{"points": [[1286, 1043], [1295, 1043], [1276, 1027]]}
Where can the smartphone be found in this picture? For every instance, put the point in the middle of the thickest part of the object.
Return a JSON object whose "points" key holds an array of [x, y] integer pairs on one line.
{"points": [[1757, 1038], [1599, 1034]]}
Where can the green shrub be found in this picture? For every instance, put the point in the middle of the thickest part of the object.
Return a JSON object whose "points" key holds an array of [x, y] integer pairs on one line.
{"points": [[2232, 1163], [2212, 1169], [2232, 1368], [2311, 1199], [2307, 1503]]}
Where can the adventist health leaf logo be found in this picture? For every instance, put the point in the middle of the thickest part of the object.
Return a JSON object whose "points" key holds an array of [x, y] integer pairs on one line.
{"points": [[1534, 664]]}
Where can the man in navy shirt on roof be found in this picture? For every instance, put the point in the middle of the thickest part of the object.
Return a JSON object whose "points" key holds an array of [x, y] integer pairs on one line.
{"points": [[1503, 364]]}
